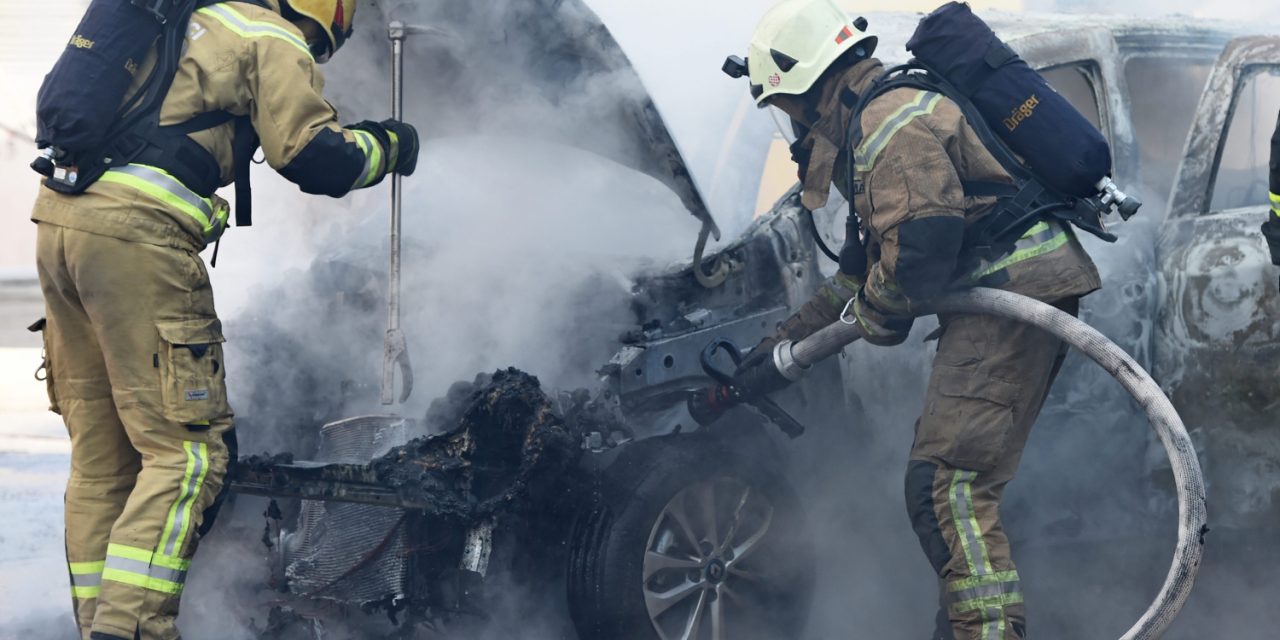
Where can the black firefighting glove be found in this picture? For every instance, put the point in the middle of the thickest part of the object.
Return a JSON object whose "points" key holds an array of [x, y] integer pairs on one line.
{"points": [[1271, 231], [404, 141], [399, 139]]}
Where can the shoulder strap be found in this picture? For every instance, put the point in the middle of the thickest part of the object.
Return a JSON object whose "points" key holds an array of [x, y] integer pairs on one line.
{"points": [[243, 148], [894, 78], [200, 123], [981, 189], [200, 4]]}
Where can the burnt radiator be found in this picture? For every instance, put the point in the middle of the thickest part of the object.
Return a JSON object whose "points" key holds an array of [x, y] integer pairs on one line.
{"points": [[350, 553]]}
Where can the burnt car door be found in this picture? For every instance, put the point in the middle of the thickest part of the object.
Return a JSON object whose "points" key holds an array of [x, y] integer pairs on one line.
{"points": [[1218, 328]]}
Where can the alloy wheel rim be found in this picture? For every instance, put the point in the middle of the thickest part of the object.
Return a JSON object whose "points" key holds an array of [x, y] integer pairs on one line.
{"points": [[699, 571]]}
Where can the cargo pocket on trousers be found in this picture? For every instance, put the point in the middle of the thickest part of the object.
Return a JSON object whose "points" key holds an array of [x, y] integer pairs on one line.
{"points": [[192, 378], [979, 410], [45, 372]]}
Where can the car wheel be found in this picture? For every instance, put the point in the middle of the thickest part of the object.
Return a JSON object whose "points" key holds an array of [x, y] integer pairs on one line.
{"points": [[691, 538]]}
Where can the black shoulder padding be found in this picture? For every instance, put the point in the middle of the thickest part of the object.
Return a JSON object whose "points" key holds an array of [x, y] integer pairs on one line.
{"points": [[928, 249], [328, 165]]}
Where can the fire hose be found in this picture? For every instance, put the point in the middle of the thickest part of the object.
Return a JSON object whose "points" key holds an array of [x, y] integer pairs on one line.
{"points": [[792, 360]]}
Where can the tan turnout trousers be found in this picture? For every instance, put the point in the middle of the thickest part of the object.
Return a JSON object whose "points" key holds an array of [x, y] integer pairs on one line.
{"points": [[990, 376], [989, 380], [135, 366]]}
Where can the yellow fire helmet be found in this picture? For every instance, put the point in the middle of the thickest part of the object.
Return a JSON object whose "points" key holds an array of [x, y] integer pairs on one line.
{"points": [[797, 41], [335, 18]]}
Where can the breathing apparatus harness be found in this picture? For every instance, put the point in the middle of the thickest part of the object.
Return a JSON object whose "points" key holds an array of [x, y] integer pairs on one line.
{"points": [[136, 136], [1019, 205]]}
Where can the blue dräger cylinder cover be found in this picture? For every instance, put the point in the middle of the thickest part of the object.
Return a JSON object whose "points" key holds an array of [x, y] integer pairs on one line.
{"points": [[79, 99], [1060, 146]]}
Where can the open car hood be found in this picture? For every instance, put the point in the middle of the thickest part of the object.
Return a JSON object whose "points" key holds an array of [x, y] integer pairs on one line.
{"points": [[533, 68]]}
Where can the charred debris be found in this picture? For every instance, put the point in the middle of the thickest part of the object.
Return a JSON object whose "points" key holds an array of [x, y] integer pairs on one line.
{"points": [[510, 439], [386, 535]]}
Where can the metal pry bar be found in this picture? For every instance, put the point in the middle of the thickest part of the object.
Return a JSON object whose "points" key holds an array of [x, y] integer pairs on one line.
{"points": [[395, 349]]}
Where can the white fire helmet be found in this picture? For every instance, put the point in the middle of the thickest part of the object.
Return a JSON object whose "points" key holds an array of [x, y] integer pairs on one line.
{"points": [[797, 41]]}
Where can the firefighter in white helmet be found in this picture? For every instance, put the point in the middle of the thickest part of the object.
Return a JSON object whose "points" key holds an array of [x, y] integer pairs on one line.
{"points": [[134, 360], [990, 376], [1271, 228]]}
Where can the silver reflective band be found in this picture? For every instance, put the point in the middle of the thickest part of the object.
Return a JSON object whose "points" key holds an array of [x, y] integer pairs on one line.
{"points": [[86, 579], [198, 458], [993, 631], [923, 104], [966, 521], [983, 591], [170, 185], [138, 567]]}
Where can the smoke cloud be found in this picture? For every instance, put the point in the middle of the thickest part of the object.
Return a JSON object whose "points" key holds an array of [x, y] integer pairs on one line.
{"points": [[521, 250]]}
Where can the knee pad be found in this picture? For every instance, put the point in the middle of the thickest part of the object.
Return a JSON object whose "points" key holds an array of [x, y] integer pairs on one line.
{"points": [[924, 519]]}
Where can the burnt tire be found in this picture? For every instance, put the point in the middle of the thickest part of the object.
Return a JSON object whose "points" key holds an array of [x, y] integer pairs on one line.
{"points": [[691, 537]]}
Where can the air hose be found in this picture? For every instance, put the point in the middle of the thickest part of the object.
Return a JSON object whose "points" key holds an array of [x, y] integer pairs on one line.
{"points": [[792, 360]]}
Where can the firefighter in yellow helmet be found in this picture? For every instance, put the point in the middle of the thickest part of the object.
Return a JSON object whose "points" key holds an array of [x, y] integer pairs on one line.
{"points": [[991, 375], [135, 359]]}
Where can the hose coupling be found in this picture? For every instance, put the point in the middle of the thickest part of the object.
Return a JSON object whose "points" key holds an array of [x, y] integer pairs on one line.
{"points": [[786, 363]]}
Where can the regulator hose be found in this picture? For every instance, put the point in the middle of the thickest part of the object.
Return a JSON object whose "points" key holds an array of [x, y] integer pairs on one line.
{"points": [[1160, 412]]}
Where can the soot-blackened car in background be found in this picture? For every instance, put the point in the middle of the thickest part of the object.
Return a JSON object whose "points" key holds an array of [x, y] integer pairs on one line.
{"points": [[652, 529]]}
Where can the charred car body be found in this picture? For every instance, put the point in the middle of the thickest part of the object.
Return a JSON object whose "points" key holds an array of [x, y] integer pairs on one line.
{"points": [[662, 530]]}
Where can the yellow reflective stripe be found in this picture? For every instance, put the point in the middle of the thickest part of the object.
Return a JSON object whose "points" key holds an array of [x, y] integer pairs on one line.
{"points": [[999, 601], [84, 568], [869, 151], [372, 150], [393, 154], [130, 553], [1275, 204], [86, 578], [1039, 227], [993, 622], [978, 581], [180, 512], [149, 557], [142, 581], [960, 496], [246, 28], [160, 193], [1052, 243], [145, 569]]}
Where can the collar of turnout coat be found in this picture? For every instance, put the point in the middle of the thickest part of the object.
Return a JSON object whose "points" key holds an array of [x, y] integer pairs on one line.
{"points": [[825, 138]]}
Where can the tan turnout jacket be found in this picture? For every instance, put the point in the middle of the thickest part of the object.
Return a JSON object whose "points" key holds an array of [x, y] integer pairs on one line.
{"points": [[916, 152], [246, 60]]}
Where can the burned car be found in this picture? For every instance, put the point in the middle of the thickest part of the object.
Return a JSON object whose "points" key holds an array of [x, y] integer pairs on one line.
{"points": [[651, 527]]}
